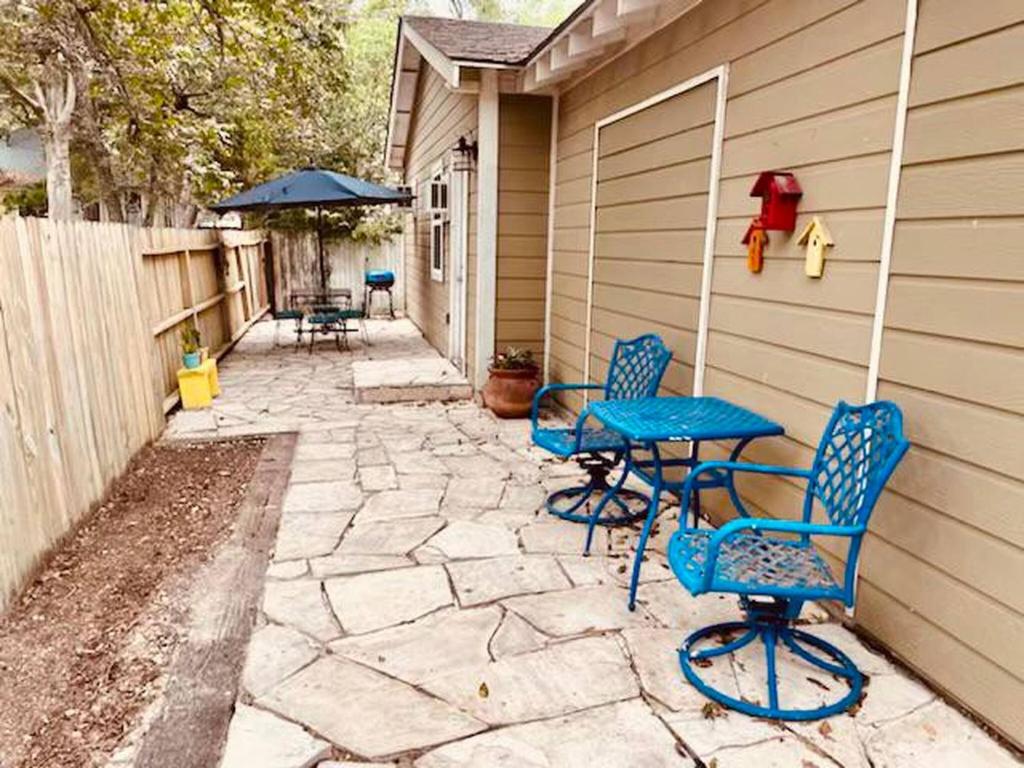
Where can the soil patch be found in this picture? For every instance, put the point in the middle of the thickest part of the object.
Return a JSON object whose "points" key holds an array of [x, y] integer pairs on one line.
{"points": [[83, 650]]}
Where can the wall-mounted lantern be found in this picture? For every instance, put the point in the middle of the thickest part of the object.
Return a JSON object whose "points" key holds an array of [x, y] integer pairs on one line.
{"points": [[779, 192], [464, 153]]}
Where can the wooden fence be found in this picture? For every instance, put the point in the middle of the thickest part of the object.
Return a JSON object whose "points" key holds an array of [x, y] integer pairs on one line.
{"points": [[296, 267], [214, 280], [88, 349]]}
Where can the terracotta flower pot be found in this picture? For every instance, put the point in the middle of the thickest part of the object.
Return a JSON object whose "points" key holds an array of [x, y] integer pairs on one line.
{"points": [[509, 392]]}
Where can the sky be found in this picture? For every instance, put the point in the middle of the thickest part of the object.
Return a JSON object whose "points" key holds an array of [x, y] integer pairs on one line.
{"points": [[541, 12]]}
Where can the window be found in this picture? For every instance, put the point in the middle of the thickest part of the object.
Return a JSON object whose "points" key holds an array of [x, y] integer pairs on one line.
{"points": [[440, 224]]}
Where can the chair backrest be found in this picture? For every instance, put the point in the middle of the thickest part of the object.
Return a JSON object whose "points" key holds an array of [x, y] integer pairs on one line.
{"points": [[860, 449], [636, 367]]}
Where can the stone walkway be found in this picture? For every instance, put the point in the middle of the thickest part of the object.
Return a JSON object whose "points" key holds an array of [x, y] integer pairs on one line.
{"points": [[420, 611]]}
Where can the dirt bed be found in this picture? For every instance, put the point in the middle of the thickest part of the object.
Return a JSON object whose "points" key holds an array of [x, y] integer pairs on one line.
{"points": [[83, 650]]}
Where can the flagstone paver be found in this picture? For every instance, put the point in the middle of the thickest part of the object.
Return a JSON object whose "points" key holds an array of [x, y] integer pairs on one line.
{"points": [[624, 734], [309, 535], [483, 581], [556, 680], [300, 604], [463, 539], [515, 636], [322, 497], [343, 564], [258, 739], [366, 712], [428, 647], [576, 611], [395, 537], [472, 632], [381, 599], [395, 505], [275, 652]]}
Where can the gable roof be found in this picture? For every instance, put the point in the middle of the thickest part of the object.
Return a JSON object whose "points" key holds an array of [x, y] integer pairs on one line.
{"points": [[479, 41], [538, 58]]}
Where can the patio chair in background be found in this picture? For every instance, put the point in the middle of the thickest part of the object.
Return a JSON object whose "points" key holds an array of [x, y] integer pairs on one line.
{"points": [[296, 316], [635, 370], [773, 565]]}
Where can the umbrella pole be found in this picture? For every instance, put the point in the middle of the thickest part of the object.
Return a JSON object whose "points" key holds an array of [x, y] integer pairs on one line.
{"points": [[320, 248]]}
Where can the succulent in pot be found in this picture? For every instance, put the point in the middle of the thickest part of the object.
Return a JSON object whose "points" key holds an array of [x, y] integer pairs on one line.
{"points": [[514, 380], [190, 346]]}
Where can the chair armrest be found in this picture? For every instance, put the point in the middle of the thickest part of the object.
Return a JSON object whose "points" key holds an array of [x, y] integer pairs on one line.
{"points": [[550, 388], [761, 524], [731, 467]]}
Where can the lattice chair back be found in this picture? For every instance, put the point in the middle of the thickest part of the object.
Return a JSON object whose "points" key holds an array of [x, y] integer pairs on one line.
{"points": [[636, 368], [858, 452]]}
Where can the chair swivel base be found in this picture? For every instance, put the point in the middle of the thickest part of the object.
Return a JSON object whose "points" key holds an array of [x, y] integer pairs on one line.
{"points": [[624, 507], [771, 634]]}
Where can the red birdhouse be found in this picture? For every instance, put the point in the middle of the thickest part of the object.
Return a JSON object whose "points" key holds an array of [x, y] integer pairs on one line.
{"points": [[779, 192]]}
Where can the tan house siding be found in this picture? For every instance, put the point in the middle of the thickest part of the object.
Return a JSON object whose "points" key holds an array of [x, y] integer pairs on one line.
{"points": [[944, 588], [813, 89], [524, 131], [440, 116], [649, 229]]}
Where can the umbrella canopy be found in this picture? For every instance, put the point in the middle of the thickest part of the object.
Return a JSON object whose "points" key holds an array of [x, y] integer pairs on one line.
{"points": [[311, 188]]}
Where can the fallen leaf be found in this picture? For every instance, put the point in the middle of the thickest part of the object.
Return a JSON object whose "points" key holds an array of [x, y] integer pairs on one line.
{"points": [[712, 710]]}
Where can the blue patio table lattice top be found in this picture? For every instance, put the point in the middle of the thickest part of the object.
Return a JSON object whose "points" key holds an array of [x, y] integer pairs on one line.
{"points": [[670, 419]]}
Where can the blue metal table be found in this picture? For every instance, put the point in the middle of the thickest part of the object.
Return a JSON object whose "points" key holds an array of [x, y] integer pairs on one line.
{"points": [[648, 421]]}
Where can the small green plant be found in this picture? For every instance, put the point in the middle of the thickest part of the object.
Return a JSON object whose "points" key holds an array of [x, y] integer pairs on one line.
{"points": [[514, 359], [190, 340]]}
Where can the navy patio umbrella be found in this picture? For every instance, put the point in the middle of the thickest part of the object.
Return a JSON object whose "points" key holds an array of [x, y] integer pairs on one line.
{"points": [[312, 188]]}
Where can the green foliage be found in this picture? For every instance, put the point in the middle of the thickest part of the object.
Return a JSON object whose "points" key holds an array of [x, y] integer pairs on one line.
{"points": [[182, 102], [27, 201], [514, 359], [190, 339], [185, 101]]}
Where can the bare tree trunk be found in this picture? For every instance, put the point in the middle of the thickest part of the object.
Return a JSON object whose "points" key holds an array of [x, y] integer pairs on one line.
{"points": [[56, 100]]}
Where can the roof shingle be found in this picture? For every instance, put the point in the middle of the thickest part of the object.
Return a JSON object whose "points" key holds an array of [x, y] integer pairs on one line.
{"points": [[485, 41]]}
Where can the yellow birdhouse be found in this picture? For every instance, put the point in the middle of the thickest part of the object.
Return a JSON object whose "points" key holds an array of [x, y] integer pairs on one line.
{"points": [[817, 238]]}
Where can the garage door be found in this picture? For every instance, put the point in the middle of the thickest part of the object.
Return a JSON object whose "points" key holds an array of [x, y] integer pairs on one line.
{"points": [[650, 221]]}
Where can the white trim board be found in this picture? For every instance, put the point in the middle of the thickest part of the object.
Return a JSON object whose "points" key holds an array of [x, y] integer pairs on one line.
{"points": [[487, 223], [550, 267], [891, 200], [721, 74]]}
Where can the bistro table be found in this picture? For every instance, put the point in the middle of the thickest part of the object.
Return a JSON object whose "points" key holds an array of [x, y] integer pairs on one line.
{"points": [[645, 422]]}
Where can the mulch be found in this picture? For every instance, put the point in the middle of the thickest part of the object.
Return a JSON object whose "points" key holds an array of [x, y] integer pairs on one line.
{"points": [[84, 649]]}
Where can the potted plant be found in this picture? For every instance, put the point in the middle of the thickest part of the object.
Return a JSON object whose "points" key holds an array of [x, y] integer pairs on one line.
{"points": [[190, 342], [514, 380]]}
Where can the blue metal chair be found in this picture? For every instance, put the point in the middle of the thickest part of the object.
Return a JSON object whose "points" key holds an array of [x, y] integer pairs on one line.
{"points": [[635, 370], [774, 566]]}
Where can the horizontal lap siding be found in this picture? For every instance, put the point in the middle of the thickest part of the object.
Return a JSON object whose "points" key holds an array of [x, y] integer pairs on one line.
{"points": [[652, 192], [946, 597], [440, 116], [813, 89], [523, 157]]}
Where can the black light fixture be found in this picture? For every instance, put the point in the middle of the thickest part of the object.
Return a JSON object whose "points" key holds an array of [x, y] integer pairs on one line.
{"points": [[465, 154]]}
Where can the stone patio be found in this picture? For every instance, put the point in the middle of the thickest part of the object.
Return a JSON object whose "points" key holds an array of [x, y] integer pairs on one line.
{"points": [[421, 611]]}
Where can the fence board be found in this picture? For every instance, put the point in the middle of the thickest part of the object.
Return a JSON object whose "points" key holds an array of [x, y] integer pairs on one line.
{"points": [[296, 267], [89, 322]]}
